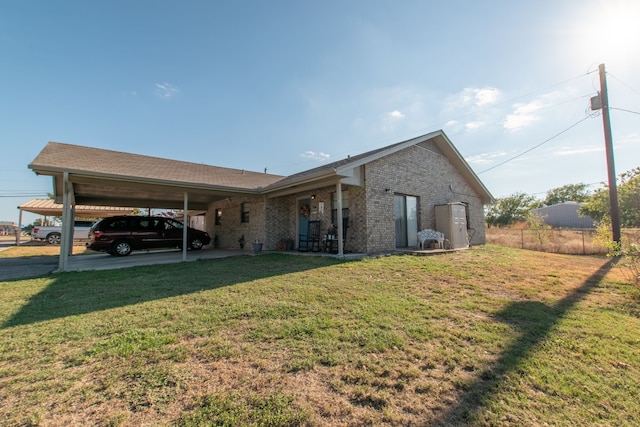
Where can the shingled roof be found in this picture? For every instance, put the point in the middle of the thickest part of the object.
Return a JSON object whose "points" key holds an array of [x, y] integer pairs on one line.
{"points": [[122, 179], [60, 157]]}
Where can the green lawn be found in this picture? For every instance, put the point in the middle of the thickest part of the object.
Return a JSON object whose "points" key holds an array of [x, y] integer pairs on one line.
{"points": [[487, 336]]}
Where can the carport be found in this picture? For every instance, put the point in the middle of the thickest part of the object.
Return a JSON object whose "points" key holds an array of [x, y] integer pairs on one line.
{"points": [[96, 177], [47, 207]]}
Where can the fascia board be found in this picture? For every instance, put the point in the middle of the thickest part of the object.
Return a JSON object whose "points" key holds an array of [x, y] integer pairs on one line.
{"points": [[96, 178], [307, 179]]}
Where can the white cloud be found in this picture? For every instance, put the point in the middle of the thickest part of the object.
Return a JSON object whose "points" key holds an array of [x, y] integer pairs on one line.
{"points": [[316, 155], [486, 96], [632, 138], [166, 90], [523, 115], [390, 119], [479, 97], [581, 150], [473, 125], [485, 158]]}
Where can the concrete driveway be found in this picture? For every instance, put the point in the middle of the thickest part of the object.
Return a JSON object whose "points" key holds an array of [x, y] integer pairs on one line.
{"points": [[109, 262], [36, 266]]}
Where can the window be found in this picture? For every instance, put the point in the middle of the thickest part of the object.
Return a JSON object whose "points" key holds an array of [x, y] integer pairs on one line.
{"points": [[244, 212], [170, 224], [218, 217], [117, 224]]}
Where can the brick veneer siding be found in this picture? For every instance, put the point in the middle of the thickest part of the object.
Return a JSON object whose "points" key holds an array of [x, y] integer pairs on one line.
{"points": [[231, 227], [420, 170], [282, 214]]}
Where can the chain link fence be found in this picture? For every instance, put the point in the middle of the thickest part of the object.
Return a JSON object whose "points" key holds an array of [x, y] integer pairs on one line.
{"points": [[562, 241]]}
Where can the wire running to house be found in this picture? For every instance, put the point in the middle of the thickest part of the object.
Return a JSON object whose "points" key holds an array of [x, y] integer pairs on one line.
{"points": [[536, 146], [622, 109], [627, 85]]}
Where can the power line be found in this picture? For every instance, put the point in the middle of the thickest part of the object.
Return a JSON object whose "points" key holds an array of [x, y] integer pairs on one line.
{"points": [[622, 109], [23, 195], [536, 146], [628, 86], [343, 154]]}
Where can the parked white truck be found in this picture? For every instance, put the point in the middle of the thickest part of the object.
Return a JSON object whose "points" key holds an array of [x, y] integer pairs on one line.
{"points": [[53, 234]]}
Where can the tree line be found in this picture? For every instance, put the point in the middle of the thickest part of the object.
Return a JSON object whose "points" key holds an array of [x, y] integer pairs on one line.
{"points": [[518, 206]]}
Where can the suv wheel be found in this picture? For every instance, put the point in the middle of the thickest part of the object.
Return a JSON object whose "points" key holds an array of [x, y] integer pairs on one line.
{"points": [[53, 238], [121, 248], [196, 243]]}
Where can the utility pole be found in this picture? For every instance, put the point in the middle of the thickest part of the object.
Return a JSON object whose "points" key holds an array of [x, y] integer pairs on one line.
{"points": [[611, 168]]}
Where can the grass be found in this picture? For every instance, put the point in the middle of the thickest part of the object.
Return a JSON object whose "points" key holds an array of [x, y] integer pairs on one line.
{"points": [[487, 336], [37, 248]]}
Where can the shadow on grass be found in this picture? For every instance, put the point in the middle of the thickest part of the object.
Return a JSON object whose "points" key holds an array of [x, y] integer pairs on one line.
{"points": [[76, 293], [534, 320]]}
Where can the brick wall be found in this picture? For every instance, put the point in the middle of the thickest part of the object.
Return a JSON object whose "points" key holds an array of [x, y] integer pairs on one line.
{"points": [[420, 171], [231, 227]]}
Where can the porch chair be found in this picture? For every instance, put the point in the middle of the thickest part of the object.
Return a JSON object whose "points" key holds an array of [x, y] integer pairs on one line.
{"points": [[331, 239], [311, 240]]}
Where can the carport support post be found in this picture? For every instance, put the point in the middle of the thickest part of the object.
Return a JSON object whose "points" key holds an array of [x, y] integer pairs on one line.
{"points": [[339, 219], [19, 229], [185, 211], [66, 243]]}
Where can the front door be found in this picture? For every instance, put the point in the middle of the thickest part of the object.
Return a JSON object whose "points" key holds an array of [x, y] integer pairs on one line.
{"points": [[304, 211], [405, 215]]}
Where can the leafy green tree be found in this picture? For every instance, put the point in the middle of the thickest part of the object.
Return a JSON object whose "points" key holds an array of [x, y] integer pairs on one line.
{"points": [[598, 206], [509, 210], [567, 193]]}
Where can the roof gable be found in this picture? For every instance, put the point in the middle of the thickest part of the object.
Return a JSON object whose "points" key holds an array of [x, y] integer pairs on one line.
{"points": [[437, 141]]}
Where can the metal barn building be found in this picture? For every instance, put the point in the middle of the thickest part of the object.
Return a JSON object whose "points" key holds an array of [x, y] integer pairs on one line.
{"points": [[564, 215]]}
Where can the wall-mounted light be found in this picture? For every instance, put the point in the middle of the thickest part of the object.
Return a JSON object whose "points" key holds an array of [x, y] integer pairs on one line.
{"points": [[313, 197], [388, 190]]}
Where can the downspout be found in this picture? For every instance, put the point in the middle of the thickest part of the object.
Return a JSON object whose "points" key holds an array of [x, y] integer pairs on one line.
{"points": [[339, 219]]}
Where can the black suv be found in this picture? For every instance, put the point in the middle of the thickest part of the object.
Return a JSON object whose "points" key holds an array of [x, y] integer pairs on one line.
{"points": [[119, 235]]}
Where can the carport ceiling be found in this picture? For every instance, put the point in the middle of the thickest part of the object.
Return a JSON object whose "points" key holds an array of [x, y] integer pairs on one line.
{"points": [[47, 207], [140, 195], [112, 178]]}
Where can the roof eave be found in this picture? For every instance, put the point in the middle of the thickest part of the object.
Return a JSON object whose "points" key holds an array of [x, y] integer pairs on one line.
{"points": [[82, 176]]}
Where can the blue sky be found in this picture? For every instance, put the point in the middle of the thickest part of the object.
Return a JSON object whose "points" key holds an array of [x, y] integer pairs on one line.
{"points": [[288, 85]]}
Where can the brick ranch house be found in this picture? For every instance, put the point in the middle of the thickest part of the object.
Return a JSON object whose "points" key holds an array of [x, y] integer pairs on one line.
{"points": [[387, 194]]}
